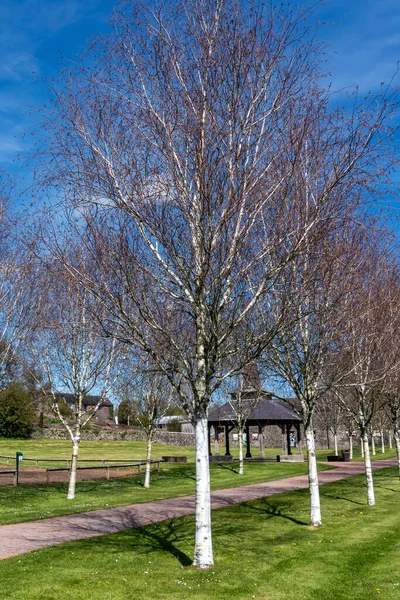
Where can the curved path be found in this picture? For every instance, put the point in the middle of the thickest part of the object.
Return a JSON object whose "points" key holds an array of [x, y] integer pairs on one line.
{"points": [[25, 537]]}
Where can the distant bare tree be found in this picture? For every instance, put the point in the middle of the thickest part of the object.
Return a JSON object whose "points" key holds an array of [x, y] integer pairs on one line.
{"points": [[152, 396], [70, 355], [365, 333], [330, 413], [243, 399], [312, 294]]}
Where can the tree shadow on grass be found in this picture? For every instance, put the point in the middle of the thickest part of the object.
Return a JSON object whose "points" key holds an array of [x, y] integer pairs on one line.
{"points": [[228, 467], [337, 497], [165, 540], [273, 510]]}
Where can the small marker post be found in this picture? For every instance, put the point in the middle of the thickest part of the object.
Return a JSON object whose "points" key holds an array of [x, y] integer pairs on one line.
{"points": [[18, 458]]}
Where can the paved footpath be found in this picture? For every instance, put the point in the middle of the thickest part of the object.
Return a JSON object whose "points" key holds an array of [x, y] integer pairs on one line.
{"points": [[25, 537]]}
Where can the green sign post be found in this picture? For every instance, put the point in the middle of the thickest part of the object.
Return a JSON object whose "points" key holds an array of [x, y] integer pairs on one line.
{"points": [[18, 458]]}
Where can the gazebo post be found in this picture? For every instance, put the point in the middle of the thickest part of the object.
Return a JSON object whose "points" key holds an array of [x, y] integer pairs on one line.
{"points": [[227, 451], [248, 453], [209, 440], [261, 441], [288, 426], [216, 441]]}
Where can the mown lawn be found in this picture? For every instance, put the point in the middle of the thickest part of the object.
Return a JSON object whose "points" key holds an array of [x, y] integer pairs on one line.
{"points": [[45, 448], [264, 550], [26, 502]]}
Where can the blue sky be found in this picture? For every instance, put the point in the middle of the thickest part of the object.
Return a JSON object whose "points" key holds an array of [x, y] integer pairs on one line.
{"points": [[363, 38]]}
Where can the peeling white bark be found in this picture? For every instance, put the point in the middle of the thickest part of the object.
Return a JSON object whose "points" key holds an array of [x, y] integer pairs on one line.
{"points": [[390, 440], [261, 442], [216, 444], [315, 504], [397, 442], [373, 444], [148, 462], [74, 463], [368, 471], [241, 461], [351, 447], [382, 443], [203, 556], [335, 441]]}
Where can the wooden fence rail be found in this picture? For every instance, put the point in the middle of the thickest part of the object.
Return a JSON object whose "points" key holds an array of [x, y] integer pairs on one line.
{"points": [[137, 464]]}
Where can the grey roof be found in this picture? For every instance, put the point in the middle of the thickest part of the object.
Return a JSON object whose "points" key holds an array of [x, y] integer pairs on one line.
{"points": [[266, 408], [88, 401]]}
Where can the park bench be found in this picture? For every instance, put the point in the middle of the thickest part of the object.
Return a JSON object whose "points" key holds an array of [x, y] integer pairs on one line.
{"points": [[343, 457]]}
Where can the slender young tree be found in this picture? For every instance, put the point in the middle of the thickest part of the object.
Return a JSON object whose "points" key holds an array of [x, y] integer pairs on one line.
{"points": [[365, 333], [152, 397], [243, 399], [71, 355], [331, 414], [312, 294]]}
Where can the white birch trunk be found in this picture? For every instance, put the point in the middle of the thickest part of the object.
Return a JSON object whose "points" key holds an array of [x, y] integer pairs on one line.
{"points": [[148, 461], [261, 442], [216, 444], [351, 447], [315, 504], [390, 440], [336, 444], [241, 461], [203, 556], [362, 447], [397, 442], [74, 463], [373, 444], [368, 471], [382, 443]]}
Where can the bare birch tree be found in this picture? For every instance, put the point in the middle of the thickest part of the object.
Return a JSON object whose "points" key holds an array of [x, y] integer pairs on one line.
{"points": [[71, 356], [179, 144], [331, 414], [152, 396], [365, 333], [390, 354], [312, 295]]}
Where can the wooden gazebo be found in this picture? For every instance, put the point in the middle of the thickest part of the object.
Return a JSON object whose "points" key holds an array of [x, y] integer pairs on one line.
{"points": [[261, 408]]}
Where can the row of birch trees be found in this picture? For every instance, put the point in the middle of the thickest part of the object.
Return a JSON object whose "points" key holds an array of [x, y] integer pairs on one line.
{"points": [[207, 210]]}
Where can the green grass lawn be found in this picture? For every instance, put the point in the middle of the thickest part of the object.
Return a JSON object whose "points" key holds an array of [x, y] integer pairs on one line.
{"points": [[45, 448], [389, 453], [26, 503], [263, 550]]}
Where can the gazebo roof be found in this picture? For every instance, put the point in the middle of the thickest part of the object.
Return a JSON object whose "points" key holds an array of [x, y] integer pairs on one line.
{"points": [[265, 409]]}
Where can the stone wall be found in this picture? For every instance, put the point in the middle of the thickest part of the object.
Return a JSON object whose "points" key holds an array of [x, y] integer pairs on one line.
{"points": [[272, 437], [171, 438]]}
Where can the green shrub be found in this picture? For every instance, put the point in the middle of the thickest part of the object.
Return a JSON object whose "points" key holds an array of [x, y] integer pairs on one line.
{"points": [[174, 425], [65, 409], [16, 413]]}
